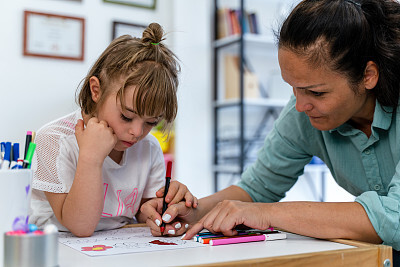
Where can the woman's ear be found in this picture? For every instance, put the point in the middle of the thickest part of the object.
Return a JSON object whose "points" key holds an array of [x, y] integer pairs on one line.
{"points": [[371, 75], [94, 83]]}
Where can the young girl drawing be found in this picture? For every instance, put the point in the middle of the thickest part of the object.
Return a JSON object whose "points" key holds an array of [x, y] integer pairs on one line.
{"points": [[96, 166]]}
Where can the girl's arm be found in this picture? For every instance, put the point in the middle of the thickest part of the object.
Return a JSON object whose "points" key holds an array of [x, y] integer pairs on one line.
{"points": [[80, 209]]}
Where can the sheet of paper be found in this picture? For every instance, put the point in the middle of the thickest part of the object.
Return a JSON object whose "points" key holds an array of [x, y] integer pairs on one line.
{"points": [[124, 240]]}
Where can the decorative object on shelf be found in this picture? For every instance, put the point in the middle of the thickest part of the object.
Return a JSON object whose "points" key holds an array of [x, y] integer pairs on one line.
{"points": [[232, 79], [149, 4], [121, 28], [53, 36]]}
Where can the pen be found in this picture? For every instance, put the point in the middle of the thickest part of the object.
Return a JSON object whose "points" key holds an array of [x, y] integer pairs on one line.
{"points": [[206, 240], [29, 155], [246, 239], [33, 136], [200, 236], [167, 181], [7, 156], [15, 155], [3, 150], [28, 140]]}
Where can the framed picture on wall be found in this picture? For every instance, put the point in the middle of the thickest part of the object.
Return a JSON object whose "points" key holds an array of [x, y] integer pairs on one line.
{"points": [[150, 4], [121, 28], [54, 36]]}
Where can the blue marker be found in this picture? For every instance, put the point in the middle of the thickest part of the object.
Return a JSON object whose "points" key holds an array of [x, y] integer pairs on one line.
{"points": [[3, 150], [7, 157], [15, 156]]}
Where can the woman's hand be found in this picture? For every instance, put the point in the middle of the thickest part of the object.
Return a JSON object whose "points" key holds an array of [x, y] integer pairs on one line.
{"points": [[229, 214], [176, 193]]}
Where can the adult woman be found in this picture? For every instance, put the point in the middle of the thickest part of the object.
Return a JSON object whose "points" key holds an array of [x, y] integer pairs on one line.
{"points": [[342, 59]]}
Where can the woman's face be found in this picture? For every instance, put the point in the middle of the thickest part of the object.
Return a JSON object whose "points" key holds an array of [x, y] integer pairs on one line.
{"points": [[323, 95]]}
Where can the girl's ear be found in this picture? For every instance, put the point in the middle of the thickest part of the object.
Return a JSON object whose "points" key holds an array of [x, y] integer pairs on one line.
{"points": [[94, 83], [371, 75]]}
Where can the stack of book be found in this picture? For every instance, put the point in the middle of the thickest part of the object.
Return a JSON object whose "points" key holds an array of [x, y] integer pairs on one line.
{"points": [[229, 22]]}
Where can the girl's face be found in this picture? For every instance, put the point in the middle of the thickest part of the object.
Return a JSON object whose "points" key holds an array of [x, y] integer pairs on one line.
{"points": [[323, 95], [128, 126]]}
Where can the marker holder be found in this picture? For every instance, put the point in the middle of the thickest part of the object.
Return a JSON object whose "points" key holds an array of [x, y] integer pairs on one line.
{"points": [[29, 250], [15, 194]]}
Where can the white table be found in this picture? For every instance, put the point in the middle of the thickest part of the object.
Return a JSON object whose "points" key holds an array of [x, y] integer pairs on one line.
{"points": [[296, 250]]}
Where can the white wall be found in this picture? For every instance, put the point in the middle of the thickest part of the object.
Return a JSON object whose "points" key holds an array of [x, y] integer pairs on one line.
{"points": [[192, 41], [36, 90]]}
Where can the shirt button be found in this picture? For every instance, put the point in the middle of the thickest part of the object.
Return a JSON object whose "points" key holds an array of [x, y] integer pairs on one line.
{"points": [[377, 187], [367, 151]]}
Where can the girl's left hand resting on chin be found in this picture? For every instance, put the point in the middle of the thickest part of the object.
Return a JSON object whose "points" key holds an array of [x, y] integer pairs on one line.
{"points": [[152, 209]]}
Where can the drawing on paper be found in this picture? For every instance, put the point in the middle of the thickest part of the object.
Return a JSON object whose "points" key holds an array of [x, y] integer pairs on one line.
{"points": [[162, 243], [124, 240], [96, 248]]}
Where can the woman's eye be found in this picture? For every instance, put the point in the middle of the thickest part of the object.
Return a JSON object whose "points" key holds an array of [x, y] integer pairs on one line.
{"points": [[317, 93], [124, 118]]}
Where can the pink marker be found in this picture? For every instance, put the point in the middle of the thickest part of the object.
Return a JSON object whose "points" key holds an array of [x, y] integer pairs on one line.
{"points": [[245, 239]]}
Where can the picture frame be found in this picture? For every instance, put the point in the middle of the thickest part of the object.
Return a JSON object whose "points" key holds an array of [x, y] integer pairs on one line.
{"points": [[53, 36], [149, 4], [120, 28]]}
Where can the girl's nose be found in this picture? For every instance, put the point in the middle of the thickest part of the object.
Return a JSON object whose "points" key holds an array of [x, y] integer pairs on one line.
{"points": [[136, 129]]}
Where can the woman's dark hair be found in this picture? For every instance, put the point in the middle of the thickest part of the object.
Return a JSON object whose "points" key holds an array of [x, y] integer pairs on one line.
{"points": [[345, 35]]}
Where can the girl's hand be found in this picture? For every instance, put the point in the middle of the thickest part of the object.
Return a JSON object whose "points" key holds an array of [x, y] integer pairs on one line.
{"points": [[231, 213], [177, 192], [177, 217], [96, 140]]}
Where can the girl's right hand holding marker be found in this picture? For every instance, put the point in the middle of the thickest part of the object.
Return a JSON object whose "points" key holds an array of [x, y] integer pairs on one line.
{"points": [[96, 140], [177, 192]]}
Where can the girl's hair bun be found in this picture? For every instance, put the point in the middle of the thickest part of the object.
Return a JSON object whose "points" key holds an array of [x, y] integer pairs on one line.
{"points": [[153, 34]]}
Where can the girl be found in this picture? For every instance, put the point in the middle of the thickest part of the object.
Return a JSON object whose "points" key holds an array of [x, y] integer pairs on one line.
{"points": [[96, 166]]}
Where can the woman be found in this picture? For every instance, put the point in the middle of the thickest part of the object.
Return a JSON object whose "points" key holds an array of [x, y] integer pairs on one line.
{"points": [[341, 58]]}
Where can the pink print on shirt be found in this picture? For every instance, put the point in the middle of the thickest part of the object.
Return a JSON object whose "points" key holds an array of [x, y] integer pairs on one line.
{"points": [[128, 203]]}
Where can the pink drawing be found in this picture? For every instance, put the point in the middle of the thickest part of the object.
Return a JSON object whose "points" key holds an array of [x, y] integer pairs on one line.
{"points": [[96, 248]]}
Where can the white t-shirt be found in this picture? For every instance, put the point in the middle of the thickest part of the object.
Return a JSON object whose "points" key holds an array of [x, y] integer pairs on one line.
{"points": [[139, 175]]}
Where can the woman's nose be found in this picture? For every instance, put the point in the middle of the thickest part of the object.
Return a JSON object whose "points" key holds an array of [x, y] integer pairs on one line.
{"points": [[302, 101]]}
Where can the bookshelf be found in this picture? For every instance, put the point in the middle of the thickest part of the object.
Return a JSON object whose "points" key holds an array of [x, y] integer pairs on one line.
{"points": [[248, 91]]}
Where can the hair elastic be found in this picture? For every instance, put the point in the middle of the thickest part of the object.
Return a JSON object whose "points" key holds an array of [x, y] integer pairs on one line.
{"points": [[353, 2], [155, 43]]}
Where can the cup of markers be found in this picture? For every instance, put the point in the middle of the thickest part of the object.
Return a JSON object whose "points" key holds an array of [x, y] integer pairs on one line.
{"points": [[31, 247]]}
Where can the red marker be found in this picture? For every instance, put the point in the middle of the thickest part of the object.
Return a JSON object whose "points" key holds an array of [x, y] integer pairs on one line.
{"points": [[167, 181]]}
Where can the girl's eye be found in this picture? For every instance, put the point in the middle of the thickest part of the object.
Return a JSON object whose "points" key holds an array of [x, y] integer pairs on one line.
{"points": [[124, 118], [152, 124]]}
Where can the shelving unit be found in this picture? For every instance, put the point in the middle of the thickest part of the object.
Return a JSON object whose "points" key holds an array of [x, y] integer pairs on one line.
{"points": [[240, 125]]}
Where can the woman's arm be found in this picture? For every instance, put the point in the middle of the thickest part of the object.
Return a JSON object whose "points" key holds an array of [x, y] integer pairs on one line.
{"points": [[315, 219]]}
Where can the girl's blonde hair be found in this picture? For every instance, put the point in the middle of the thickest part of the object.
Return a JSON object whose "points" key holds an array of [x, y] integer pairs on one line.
{"points": [[145, 63]]}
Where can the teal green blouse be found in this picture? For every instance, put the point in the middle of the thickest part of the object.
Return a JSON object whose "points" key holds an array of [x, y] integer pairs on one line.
{"points": [[368, 168]]}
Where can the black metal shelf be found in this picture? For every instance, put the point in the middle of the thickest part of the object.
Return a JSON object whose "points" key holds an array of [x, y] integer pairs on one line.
{"points": [[243, 144]]}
